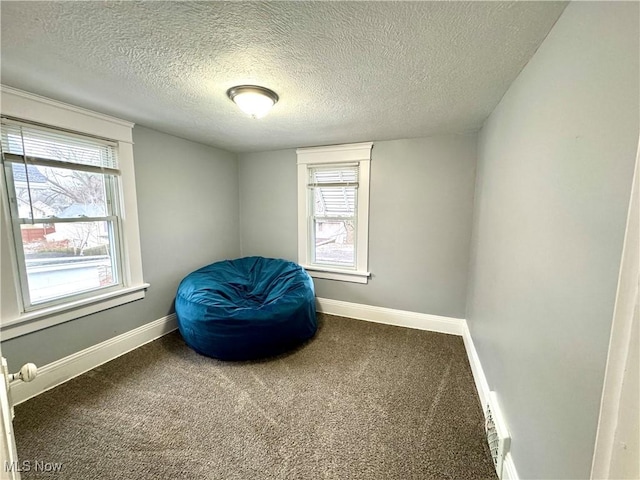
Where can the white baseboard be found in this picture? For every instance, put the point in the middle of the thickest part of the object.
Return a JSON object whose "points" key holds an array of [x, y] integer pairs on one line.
{"points": [[509, 471], [66, 368], [389, 316], [482, 386]]}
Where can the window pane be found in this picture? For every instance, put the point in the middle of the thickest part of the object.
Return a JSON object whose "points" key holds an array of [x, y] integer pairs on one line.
{"points": [[63, 259], [334, 242], [59, 192], [334, 207]]}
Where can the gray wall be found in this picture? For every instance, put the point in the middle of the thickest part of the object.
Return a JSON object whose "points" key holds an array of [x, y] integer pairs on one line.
{"points": [[554, 177], [188, 209], [421, 202]]}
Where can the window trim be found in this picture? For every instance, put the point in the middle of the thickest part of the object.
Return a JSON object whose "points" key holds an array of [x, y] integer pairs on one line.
{"points": [[14, 320], [336, 154]]}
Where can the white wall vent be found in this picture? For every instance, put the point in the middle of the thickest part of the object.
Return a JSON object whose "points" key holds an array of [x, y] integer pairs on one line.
{"points": [[497, 434]]}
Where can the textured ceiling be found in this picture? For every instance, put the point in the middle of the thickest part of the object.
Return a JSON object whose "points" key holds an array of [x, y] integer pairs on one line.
{"points": [[344, 71]]}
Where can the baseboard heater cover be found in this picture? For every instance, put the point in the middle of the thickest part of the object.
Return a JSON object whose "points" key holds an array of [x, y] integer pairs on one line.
{"points": [[497, 433]]}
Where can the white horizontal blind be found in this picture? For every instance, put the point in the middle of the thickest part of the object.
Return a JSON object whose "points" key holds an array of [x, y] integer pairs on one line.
{"points": [[335, 190], [44, 146]]}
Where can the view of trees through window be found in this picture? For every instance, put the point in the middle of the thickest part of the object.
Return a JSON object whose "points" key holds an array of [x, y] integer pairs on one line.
{"points": [[63, 254], [335, 243]]}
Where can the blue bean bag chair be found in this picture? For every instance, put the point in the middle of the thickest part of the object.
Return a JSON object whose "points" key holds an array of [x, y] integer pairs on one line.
{"points": [[246, 308]]}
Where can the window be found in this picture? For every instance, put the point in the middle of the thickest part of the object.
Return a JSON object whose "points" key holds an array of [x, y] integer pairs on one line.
{"points": [[333, 211], [63, 201], [67, 181]]}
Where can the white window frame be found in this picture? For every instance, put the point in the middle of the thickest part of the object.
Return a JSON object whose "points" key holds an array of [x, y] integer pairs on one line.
{"points": [[15, 319], [337, 155]]}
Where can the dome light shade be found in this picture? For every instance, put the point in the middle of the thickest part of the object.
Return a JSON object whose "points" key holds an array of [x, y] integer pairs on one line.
{"points": [[252, 99]]}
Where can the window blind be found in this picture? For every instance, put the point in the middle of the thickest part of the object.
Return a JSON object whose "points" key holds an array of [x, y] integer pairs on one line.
{"points": [[335, 191], [24, 143]]}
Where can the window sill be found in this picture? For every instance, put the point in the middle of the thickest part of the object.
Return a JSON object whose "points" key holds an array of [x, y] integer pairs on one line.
{"points": [[337, 274], [47, 317]]}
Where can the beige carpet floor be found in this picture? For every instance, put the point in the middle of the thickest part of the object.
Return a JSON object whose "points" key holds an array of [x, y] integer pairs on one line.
{"points": [[359, 401]]}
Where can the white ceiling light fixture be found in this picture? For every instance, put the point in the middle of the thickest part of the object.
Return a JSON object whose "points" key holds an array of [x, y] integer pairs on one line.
{"points": [[252, 99]]}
